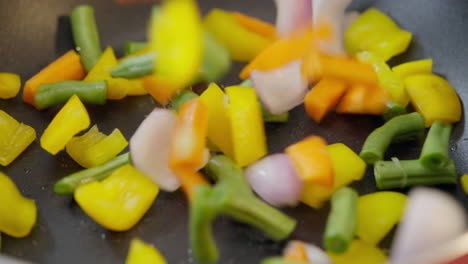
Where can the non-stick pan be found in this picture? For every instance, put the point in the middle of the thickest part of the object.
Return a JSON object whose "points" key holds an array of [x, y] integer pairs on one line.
{"points": [[35, 32]]}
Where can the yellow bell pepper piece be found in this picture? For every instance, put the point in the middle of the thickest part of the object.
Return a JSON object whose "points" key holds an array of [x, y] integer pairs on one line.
{"points": [[17, 214], [464, 182], [219, 126], [243, 45], [136, 87], [95, 148], [434, 98], [69, 121], [119, 201], [387, 78], [377, 214], [247, 127], [117, 88], [348, 167], [177, 37], [142, 253], [412, 68], [376, 32], [360, 252], [10, 85], [15, 137]]}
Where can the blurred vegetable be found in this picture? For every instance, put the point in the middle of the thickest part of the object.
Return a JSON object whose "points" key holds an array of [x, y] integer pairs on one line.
{"points": [[136, 87], [160, 89], [68, 184], [85, 35], [280, 260], [69, 121], [377, 214], [256, 25], [341, 222], [66, 68], [18, 214], [60, 92], [434, 153], [323, 97], [349, 18], [464, 182], [312, 161], [142, 253], [394, 110], [131, 47], [375, 32], [297, 250], [434, 98], [413, 68], [360, 252], [347, 69], [95, 148], [182, 98], [15, 137], [274, 179], [292, 15], [119, 201], [10, 85], [135, 66], [363, 99], [399, 128], [216, 62]]}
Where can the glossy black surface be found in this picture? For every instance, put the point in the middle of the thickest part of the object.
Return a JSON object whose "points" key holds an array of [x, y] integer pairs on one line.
{"points": [[35, 32]]}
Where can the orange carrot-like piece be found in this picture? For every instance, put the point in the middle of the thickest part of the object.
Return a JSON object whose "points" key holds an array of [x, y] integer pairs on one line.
{"points": [[347, 69], [323, 97], [295, 252], [363, 99], [312, 161], [256, 25], [66, 68], [189, 180], [162, 91]]}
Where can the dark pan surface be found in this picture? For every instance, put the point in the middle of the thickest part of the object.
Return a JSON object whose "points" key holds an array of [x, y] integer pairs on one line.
{"points": [[35, 32]]}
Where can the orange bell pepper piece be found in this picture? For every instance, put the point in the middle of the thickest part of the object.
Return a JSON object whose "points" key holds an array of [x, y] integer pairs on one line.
{"points": [[363, 99], [66, 68], [256, 25], [312, 161], [347, 69], [162, 91], [296, 252], [323, 97]]}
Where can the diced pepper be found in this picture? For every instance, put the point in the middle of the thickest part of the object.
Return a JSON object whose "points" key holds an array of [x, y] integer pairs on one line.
{"points": [[117, 88], [15, 137], [247, 128], [312, 161], [434, 98], [18, 214], [363, 99], [161, 90], [243, 45], [377, 214], [387, 78], [347, 69], [142, 253], [66, 68], [69, 121], [323, 97], [10, 84], [348, 167], [95, 148], [375, 32], [177, 38], [136, 87], [413, 68], [360, 253], [256, 25], [219, 125], [464, 182], [119, 201]]}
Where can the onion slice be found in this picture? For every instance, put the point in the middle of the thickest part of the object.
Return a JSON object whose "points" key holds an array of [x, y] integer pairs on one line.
{"points": [[280, 89], [292, 14], [274, 179], [431, 218], [349, 18], [150, 145]]}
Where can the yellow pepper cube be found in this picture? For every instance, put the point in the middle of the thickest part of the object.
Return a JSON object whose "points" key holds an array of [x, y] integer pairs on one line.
{"points": [[434, 98], [95, 148], [10, 85], [18, 213], [464, 182], [360, 252], [136, 87], [69, 121], [377, 214], [348, 167], [14, 138], [119, 201], [219, 125], [413, 67], [142, 253], [247, 127]]}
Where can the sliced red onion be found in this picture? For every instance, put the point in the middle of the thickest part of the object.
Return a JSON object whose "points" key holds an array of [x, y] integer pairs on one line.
{"points": [[332, 13], [280, 89], [274, 179], [431, 218], [315, 255], [349, 18], [292, 14], [149, 148]]}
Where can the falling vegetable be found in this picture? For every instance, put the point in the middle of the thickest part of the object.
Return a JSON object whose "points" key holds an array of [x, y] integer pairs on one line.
{"points": [[15, 137], [360, 252], [10, 85], [292, 15], [142, 253]]}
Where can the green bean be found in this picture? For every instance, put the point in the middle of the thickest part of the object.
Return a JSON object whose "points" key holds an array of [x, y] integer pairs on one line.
{"points": [[135, 66], [435, 149], [394, 110], [86, 36], [133, 46], [280, 260], [182, 98]]}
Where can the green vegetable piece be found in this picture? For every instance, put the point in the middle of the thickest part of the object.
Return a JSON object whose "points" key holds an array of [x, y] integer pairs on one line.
{"points": [[216, 62], [396, 129], [341, 222], [135, 66], [394, 110], [182, 98], [85, 35], [435, 149], [69, 184], [280, 260], [60, 92], [133, 46]]}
